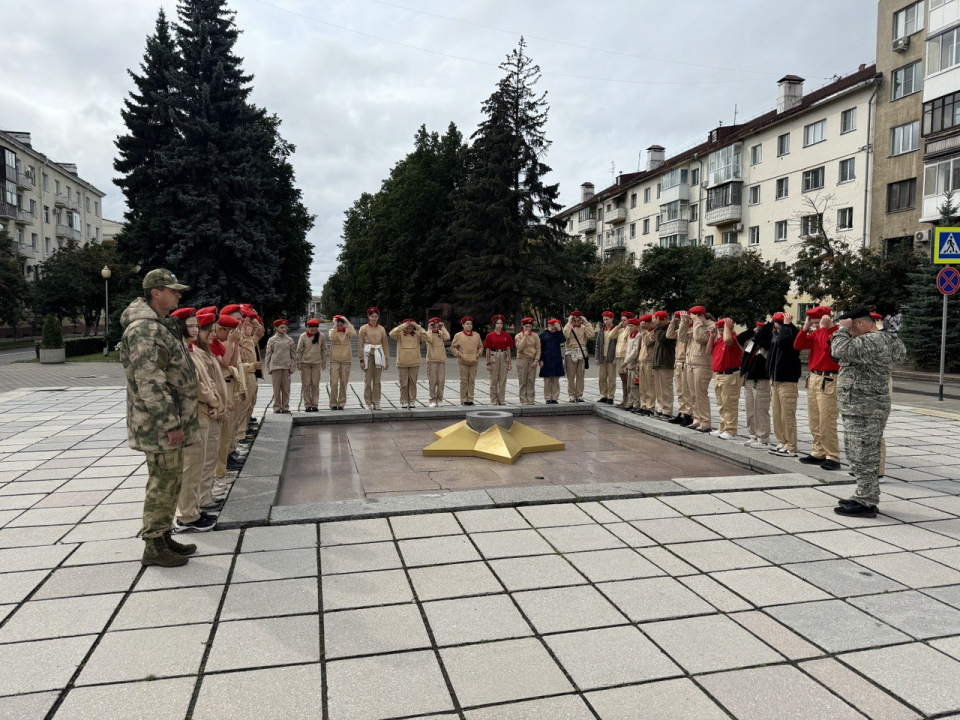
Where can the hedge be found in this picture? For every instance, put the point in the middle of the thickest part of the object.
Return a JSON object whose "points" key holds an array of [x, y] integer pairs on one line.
{"points": [[74, 347]]}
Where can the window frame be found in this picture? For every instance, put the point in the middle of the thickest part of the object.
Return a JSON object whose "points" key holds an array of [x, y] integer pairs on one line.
{"points": [[756, 154], [783, 144], [918, 19], [853, 170], [852, 113], [916, 80], [754, 189], [809, 175], [897, 149], [935, 50], [784, 183], [778, 225], [820, 125], [753, 235], [897, 185], [841, 213]]}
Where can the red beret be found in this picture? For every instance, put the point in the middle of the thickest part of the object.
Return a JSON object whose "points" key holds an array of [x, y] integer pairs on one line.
{"points": [[206, 319], [501, 318], [258, 319], [212, 310], [606, 313], [721, 322], [230, 309], [576, 313], [313, 322], [247, 311], [280, 321], [633, 321], [815, 313], [339, 317], [408, 320], [183, 313], [435, 320], [466, 318], [760, 324], [778, 317], [698, 310], [551, 321], [372, 310], [876, 316], [626, 314], [228, 322], [646, 318], [676, 314], [660, 314], [527, 321]]}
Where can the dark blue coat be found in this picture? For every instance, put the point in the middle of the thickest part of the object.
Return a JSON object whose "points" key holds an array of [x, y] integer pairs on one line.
{"points": [[551, 354]]}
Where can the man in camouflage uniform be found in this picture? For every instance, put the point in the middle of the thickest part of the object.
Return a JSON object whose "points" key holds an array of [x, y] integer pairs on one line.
{"points": [[161, 408], [866, 358]]}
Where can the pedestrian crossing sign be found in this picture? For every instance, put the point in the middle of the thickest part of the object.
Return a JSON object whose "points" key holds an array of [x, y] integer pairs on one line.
{"points": [[946, 246]]}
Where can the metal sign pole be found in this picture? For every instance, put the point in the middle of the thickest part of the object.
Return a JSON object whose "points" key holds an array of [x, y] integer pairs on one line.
{"points": [[943, 343]]}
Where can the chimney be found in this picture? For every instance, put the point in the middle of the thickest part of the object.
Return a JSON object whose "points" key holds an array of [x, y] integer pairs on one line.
{"points": [[790, 92], [586, 191], [21, 137], [69, 167], [656, 156]]}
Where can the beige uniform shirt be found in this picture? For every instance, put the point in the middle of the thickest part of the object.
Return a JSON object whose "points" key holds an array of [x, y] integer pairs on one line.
{"points": [[408, 346], [310, 353], [340, 350], [436, 348], [467, 348], [528, 346]]}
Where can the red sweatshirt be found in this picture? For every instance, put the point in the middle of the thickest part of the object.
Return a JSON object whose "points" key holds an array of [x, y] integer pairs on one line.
{"points": [[818, 343], [502, 341], [726, 357]]}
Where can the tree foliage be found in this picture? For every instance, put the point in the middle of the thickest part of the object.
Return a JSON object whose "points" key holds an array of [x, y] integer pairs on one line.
{"points": [[14, 290], [672, 277], [613, 287], [744, 287]]}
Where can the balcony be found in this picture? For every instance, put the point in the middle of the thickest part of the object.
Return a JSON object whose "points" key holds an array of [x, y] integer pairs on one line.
{"points": [[615, 216], [69, 233], [723, 215], [728, 250], [70, 203], [587, 226], [8, 211], [674, 227], [25, 180], [24, 217], [615, 253]]}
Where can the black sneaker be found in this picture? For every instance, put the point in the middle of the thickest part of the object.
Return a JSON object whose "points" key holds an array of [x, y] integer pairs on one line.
{"points": [[204, 523], [847, 502], [213, 508], [856, 510], [811, 460], [676, 420], [830, 465]]}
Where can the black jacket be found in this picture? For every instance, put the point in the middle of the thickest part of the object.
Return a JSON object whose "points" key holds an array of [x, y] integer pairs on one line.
{"points": [[783, 360], [551, 354], [754, 363]]}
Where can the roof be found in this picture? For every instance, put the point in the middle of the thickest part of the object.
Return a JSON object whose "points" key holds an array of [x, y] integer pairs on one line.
{"points": [[8, 138], [731, 133]]}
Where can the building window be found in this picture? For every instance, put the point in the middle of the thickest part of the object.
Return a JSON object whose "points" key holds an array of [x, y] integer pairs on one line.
{"points": [[809, 225], [815, 133], [586, 214], [783, 188], [731, 237], [89, 231], [633, 200], [87, 203], [694, 213], [633, 230], [845, 219], [943, 51], [599, 239], [674, 178], [673, 240], [848, 120], [908, 21], [755, 195], [756, 154], [34, 240], [695, 176], [848, 170], [46, 213], [941, 114], [20, 237], [942, 177], [96, 208], [657, 222], [646, 226], [783, 145], [812, 179], [755, 235], [724, 164], [658, 191], [33, 208], [902, 195], [646, 195], [708, 241], [907, 80], [47, 245], [905, 138], [723, 196], [46, 183], [676, 210], [780, 231], [620, 236]]}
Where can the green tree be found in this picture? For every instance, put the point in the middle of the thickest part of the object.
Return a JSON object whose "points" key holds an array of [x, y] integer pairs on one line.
{"points": [[672, 277], [148, 116], [874, 280], [504, 246], [613, 287], [744, 287], [14, 289]]}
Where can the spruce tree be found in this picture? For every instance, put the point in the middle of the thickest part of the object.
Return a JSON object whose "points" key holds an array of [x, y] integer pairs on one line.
{"points": [[503, 241], [147, 113]]}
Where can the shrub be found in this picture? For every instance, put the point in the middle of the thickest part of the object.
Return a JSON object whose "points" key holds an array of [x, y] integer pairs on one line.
{"points": [[52, 338]]}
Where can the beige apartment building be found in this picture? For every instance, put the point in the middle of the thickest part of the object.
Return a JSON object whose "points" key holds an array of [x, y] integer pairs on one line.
{"points": [[760, 185], [44, 203]]}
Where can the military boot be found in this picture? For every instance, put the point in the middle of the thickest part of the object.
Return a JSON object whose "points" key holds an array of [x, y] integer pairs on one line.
{"points": [[179, 548], [156, 552]]}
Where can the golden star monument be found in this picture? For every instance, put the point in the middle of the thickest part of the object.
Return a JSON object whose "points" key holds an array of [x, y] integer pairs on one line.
{"points": [[492, 435]]}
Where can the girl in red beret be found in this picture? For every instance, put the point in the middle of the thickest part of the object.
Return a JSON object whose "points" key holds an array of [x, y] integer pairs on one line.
{"points": [[437, 337], [528, 361], [280, 361], [409, 336], [576, 332], [311, 361], [466, 348], [374, 357], [341, 358], [498, 345]]}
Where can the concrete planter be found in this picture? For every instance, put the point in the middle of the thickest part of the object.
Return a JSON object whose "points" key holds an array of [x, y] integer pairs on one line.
{"points": [[53, 356]]}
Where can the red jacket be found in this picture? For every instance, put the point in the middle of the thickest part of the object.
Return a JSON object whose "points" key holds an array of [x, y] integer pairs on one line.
{"points": [[818, 343], [726, 357]]}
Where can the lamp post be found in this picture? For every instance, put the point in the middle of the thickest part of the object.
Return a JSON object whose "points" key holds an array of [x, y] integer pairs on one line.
{"points": [[105, 274]]}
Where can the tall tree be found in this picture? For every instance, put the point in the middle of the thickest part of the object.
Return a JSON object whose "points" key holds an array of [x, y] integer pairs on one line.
{"points": [[503, 242], [148, 115], [14, 289], [744, 287], [671, 278]]}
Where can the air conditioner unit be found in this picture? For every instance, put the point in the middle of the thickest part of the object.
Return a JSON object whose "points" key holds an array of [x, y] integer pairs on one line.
{"points": [[901, 44], [738, 227], [923, 236]]}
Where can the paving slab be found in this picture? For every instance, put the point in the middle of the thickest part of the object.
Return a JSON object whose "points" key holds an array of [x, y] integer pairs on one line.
{"points": [[568, 707], [677, 699], [912, 612], [568, 608], [276, 693], [141, 654], [265, 641], [41, 619], [541, 571], [843, 578], [768, 586], [373, 631], [709, 644], [655, 599], [156, 700], [43, 665], [837, 626], [272, 597], [475, 619]]}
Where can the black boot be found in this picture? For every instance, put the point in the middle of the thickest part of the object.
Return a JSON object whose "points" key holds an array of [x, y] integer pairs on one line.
{"points": [[179, 548]]}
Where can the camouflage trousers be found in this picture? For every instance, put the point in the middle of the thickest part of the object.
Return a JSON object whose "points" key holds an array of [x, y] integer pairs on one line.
{"points": [[862, 436], [165, 475]]}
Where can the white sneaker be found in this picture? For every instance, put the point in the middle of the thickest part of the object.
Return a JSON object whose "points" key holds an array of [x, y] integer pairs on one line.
{"points": [[715, 433], [775, 450], [727, 436], [376, 407], [757, 445], [432, 404]]}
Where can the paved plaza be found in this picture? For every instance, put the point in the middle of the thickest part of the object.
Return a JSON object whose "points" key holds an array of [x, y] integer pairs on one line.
{"points": [[742, 603]]}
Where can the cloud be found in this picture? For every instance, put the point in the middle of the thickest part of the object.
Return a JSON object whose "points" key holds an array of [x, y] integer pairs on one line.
{"points": [[351, 104]]}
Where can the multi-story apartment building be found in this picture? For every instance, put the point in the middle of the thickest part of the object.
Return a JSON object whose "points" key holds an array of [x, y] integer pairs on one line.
{"points": [[44, 203], [762, 184]]}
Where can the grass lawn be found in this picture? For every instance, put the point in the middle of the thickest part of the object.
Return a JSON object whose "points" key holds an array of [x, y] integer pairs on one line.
{"points": [[92, 357], [13, 344]]}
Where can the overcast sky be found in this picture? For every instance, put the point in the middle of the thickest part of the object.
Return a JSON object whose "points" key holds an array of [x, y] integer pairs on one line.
{"points": [[352, 97]]}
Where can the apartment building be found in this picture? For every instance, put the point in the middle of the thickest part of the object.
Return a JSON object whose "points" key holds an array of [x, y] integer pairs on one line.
{"points": [[45, 203], [762, 184]]}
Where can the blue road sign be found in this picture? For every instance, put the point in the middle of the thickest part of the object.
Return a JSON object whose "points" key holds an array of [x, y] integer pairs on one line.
{"points": [[946, 246], [948, 281]]}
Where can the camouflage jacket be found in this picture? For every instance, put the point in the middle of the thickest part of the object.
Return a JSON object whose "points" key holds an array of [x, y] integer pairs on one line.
{"points": [[866, 366], [161, 380]]}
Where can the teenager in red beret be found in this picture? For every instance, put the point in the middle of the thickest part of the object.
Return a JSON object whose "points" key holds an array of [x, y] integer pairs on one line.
{"points": [[551, 361], [620, 354], [251, 330], [606, 355], [497, 346], [280, 361], [725, 363], [409, 336], [576, 332], [311, 361], [374, 350], [466, 348], [647, 385], [437, 337], [341, 358], [630, 365], [699, 357], [682, 375], [528, 361], [783, 365], [815, 335], [664, 362], [230, 337]]}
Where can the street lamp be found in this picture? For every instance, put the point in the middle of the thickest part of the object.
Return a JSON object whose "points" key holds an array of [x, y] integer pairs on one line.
{"points": [[105, 274]]}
